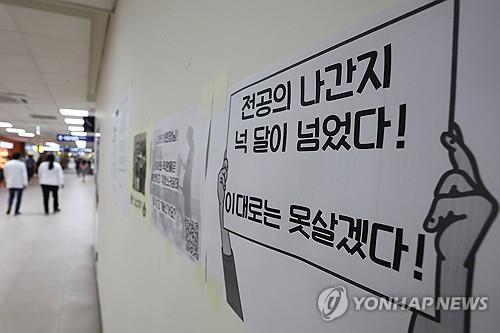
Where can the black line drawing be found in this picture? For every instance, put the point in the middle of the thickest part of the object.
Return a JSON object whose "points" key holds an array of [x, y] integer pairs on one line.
{"points": [[229, 266], [460, 215]]}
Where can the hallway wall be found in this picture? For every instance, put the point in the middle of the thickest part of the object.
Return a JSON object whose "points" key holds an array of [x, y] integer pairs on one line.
{"points": [[163, 52]]}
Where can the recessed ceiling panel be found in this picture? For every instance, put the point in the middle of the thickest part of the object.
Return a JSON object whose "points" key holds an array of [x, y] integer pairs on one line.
{"points": [[11, 42], [50, 24]]}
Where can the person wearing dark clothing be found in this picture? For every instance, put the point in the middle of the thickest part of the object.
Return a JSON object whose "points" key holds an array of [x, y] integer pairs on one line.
{"points": [[50, 176], [30, 166]]}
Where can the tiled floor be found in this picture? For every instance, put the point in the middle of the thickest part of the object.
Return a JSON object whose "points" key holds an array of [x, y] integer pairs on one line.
{"points": [[47, 276]]}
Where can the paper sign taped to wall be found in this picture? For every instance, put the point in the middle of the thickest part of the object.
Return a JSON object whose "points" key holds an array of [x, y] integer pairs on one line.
{"points": [[334, 157], [120, 154], [177, 175]]}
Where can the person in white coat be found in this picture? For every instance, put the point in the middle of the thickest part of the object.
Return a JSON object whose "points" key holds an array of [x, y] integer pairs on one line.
{"points": [[50, 177], [16, 179]]}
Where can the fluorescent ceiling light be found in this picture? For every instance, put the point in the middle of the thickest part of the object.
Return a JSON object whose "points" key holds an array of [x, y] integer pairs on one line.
{"points": [[79, 133], [52, 144], [15, 130], [26, 134], [74, 113], [76, 128], [81, 144], [98, 135], [73, 121], [5, 124]]}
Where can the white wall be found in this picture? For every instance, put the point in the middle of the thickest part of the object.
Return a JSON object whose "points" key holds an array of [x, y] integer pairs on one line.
{"points": [[163, 52]]}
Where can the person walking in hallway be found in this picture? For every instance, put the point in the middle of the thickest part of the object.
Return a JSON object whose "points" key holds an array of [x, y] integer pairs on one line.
{"points": [[84, 169], [30, 166], [16, 178], [50, 176]]}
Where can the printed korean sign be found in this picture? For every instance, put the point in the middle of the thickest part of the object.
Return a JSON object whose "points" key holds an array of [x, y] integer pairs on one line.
{"points": [[177, 175], [333, 158]]}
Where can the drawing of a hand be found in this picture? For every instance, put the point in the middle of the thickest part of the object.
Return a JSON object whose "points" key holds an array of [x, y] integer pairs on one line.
{"points": [[222, 179], [462, 209], [221, 191], [460, 215]]}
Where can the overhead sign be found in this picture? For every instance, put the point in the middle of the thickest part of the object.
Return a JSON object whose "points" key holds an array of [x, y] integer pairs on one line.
{"points": [[73, 138]]}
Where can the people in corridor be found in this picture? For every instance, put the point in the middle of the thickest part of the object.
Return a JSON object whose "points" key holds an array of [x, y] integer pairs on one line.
{"points": [[84, 169], [50, 175], [16, 178]]}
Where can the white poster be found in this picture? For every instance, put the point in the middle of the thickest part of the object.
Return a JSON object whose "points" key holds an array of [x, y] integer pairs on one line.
{"points": [[177, 176], [120, 153], [349, 161], [140, 155]]}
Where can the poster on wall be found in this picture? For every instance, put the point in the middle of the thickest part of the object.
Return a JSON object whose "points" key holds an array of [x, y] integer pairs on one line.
{"points": [[140, 164], [177, 174], [349, 160], [120, 154]]}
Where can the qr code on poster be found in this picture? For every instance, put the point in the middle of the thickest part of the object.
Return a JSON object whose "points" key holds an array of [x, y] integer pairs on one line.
{"points": [[192, 238]]}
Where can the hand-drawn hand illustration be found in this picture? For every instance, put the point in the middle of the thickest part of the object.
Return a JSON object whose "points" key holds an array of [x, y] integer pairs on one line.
{"points": [[230, 277], [460, 215]]}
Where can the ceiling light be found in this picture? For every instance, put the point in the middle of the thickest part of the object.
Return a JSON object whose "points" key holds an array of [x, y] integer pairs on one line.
{"points": [[79, 133], [52, 144], [76, 128], [15, 130], [98, 135], [5, 124], [73, 121], [74, 113], [26, 134]]}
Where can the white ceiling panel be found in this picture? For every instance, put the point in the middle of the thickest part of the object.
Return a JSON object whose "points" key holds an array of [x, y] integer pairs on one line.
{"points": [[50, 24], [59, 79], [6, 21], [14, 76], [102, 4], [70, 101], [39, 96], [75, 86], [43, 108], [16, 62], [61, 66], [41, 100], [51, 47], [14, 114], [11, 42], [26, 88]]}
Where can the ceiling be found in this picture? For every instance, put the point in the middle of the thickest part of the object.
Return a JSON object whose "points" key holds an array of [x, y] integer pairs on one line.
{"points": [[50, 51], [108, 5]]}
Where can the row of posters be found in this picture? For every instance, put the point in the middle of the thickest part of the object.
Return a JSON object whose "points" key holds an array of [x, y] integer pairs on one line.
{"points": [[345, 165], [161, 178]]}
